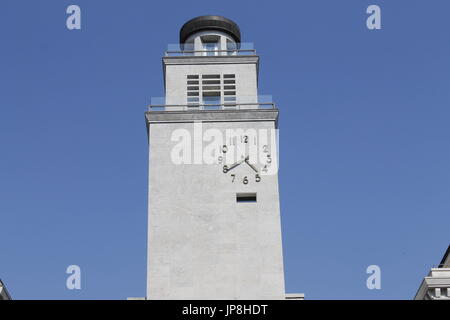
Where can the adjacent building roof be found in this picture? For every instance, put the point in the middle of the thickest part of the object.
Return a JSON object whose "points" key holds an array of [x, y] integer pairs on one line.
{"points": [[4, 295], [436, 285], [445, 262]]}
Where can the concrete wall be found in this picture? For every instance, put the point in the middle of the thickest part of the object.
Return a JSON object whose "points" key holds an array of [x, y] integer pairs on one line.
{"points": [[203, 244]]}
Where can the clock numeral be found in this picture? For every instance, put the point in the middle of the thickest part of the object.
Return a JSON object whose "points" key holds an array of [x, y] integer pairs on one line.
{"points": [[245, 138], [225, 169], [265, 148], [257, 178], [233, 176], [269, 159], [224, 148], [265, 168], [220, 159], [245, 181]]}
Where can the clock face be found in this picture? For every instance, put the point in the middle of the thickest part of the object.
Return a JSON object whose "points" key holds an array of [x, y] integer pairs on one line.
{"points": [[243, 151]]}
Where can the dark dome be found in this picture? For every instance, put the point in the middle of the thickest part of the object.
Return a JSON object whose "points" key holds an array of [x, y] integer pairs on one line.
{"points": [[217, 23]]}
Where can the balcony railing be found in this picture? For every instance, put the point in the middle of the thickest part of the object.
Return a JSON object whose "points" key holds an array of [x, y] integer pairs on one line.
{"points": [[208, 107], [210, 53], [242, 49]]}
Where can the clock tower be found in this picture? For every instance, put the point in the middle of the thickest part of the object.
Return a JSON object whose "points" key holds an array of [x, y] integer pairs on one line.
{"points": [[213, 204]]}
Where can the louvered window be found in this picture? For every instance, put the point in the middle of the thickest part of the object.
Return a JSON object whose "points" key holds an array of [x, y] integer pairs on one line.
{"points": [[211, 91]]}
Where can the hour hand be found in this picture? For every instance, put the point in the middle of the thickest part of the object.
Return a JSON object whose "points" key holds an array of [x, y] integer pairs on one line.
{"points": [[236, 164]]}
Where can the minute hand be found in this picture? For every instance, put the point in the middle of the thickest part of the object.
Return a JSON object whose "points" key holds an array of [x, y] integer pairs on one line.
{"points": [[251, 166]]}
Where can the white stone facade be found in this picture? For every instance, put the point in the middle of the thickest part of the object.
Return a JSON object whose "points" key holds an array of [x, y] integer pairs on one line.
{"points": [[203, 243]]}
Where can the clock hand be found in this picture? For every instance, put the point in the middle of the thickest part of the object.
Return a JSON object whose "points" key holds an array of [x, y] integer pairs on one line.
{"points": [[236, 164], [251, 166]]}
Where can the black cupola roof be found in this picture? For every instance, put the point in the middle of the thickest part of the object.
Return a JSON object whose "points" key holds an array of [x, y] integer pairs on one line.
{"points": [[203, 23]]}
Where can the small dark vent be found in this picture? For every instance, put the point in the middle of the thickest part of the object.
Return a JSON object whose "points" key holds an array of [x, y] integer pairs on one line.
{"points": [[245, 197]]}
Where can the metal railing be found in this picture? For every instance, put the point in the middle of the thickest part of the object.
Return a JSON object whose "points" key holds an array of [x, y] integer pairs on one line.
{"points": [[209, 107], [209, 53]]}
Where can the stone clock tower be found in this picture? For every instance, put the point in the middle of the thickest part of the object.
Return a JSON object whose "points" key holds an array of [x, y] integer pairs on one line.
{"points": [[213, 204]]}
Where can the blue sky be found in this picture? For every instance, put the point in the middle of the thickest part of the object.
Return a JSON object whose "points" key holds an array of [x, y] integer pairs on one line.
{"points": [[364, 140]]}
